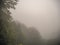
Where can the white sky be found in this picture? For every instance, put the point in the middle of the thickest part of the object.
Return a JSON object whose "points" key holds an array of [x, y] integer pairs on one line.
{"points": [[41, 14]]}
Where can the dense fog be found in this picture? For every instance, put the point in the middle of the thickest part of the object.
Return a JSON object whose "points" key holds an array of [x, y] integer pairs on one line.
{"points": [[41, 14], [29, 22]]}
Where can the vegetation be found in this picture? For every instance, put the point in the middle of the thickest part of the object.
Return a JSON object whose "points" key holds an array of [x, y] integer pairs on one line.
{"points": [[5, 21], [15, 33]]}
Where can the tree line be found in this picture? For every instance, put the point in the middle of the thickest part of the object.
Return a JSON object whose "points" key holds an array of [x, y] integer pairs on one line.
{"points": [[15, 33]]}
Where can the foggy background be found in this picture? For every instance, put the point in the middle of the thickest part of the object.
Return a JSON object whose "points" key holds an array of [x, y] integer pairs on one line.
{"points": [[41, 14]]}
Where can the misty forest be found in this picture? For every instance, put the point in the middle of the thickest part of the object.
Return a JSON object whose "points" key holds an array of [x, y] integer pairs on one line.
{"points": [[14, 32]]}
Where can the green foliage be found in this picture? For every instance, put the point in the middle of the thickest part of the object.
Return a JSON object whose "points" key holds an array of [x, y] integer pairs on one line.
{"points": [[5, 20]]}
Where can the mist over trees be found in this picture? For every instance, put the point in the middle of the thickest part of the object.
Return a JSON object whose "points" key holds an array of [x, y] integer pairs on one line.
{"points": [[27, 36], [15, 33], [5, 20]]}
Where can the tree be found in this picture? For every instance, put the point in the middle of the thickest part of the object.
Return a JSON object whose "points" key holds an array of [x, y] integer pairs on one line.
{"points": [[18, 33], [15, 33], [5, 19], [32, 36], [35, 37]]}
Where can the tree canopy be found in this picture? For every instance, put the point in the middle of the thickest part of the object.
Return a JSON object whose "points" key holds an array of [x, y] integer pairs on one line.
{"points": [[5, 19]]}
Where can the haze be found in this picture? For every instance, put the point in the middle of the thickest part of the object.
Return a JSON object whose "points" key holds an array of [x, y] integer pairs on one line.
{"points": [[41, 14]]}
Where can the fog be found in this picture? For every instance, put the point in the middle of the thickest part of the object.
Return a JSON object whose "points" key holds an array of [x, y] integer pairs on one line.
{"points": [[41, 14]]}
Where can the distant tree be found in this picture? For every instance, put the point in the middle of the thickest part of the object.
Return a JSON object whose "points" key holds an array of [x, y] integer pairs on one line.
{"points": [[16, 33], [35, 37], [52, 42], [19, 34], [32, 36]]}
